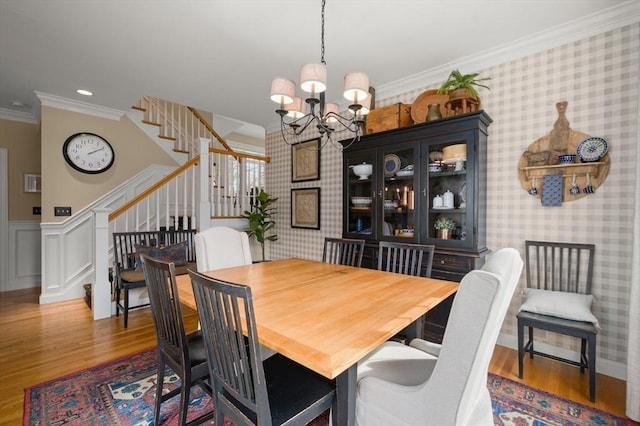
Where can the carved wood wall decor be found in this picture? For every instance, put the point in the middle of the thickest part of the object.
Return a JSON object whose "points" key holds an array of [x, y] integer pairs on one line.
{"points": [[541, 159]]}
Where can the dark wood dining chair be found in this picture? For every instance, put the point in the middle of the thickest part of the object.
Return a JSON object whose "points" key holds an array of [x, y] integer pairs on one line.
{"points": [[558, 299], [408, 259], [184, 354], [343, 251], [405, 258], [249, 391]]}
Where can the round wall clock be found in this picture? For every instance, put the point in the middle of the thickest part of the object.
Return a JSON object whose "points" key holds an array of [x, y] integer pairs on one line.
{"points": [[88, 153]]}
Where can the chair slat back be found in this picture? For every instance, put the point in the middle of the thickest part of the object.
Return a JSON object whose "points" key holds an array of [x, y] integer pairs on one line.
{"points": [[558, 266], [225, 309], [124, 244], [160, 278], [343, 251], [405, 258]]}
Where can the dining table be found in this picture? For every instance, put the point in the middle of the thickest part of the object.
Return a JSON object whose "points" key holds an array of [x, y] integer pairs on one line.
{"points": [[328, 317]]}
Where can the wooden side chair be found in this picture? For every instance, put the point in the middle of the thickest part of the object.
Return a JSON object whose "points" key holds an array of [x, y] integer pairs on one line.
{"points": [[408, 259], [558, 299], [184, 354], [248, 390], [405, 258], [343, 251]]}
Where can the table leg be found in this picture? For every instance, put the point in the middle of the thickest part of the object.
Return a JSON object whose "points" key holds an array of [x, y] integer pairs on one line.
{"points": [[344, 412]]}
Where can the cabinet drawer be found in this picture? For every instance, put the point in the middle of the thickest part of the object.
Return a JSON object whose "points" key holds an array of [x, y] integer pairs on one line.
{"points": [[453, 263]]}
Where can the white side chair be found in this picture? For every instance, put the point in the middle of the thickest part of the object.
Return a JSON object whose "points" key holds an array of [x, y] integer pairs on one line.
{"points": [[221, 247], [429, 384]]}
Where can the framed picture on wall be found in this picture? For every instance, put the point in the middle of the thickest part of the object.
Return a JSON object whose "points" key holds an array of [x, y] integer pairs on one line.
{"points": [[305, 160], [305, 208]]}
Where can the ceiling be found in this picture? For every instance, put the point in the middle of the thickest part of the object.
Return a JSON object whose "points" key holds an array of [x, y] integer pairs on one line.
{"points": [[221, 55]]}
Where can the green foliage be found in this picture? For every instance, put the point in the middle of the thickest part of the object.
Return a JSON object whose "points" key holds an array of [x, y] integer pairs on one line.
{"points": [[260, 219], [445, 223], [457, 80]]}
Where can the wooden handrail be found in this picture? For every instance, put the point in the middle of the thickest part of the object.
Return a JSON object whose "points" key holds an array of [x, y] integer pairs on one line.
{"points": [[126, 206], [210, 129], [240, 154]]}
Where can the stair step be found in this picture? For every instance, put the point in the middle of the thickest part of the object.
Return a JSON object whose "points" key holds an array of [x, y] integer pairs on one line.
{"points": [[180, 151], [139, 108], [169, 138], [152, 123]]}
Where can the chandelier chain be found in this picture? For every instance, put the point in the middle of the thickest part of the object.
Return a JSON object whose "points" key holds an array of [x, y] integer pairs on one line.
{"points": [[322, 35]]}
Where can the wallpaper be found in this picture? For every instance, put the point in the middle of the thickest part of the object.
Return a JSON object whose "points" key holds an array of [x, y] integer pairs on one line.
{"points": [[598, 77]]}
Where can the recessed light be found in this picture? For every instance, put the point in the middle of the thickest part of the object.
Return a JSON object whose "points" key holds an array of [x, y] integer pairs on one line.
{"points": [[84, 92]]}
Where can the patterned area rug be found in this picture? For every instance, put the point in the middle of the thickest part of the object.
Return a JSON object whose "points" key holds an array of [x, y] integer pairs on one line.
{"points": [[122, 392]]}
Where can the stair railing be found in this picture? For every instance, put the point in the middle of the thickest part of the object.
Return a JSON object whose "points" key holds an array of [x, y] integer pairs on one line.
{"points": [[181, 124]]}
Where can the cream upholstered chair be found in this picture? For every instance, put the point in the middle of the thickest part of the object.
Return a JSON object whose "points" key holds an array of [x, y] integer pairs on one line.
{"points": [[221, 247], [428, 384]]}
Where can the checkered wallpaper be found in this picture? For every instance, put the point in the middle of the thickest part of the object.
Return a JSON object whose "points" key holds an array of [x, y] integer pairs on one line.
{"points": [[599, 77]]}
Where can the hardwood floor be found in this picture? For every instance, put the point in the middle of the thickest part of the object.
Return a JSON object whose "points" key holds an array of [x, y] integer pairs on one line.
{"points": [[42, 342]]}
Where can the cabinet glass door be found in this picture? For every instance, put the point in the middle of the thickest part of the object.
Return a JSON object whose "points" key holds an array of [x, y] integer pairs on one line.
{"points": [[398, 206], [451, 205], [360, 193]]}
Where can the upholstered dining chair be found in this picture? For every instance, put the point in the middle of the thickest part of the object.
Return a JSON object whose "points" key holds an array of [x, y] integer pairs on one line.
{"points": [[249, 391], [343, 251], [428, 384], [221, 247], [184, 353], [558, 299]]}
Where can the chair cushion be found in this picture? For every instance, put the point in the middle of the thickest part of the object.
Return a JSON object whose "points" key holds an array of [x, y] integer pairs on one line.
{"points": [[136, 276], [561, 304], [176, 253]]}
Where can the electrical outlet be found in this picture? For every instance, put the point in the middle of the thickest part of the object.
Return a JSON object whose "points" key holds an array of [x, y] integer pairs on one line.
{"points": [[37, 211], [62, 211]]}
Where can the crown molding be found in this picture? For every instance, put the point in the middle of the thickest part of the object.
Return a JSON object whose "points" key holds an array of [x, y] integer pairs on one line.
{"points": [[79, 106], [596, 23], [22, 116]]}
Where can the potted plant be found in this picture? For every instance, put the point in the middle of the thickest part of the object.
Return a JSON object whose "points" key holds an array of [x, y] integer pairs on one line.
{"points": [[260, 219], [444, 227], [466, 83]]}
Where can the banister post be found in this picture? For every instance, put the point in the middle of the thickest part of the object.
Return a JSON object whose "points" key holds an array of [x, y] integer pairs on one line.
{"points": [[101, 289], [204, 206]]}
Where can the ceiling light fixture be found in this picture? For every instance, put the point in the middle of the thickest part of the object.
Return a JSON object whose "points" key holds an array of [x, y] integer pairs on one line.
{"points": [[84, 92], [294, 119]]}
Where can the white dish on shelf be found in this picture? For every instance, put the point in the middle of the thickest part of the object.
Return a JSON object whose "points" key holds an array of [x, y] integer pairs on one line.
{"points": [[402, 173], [361, 201], [443, 208]]}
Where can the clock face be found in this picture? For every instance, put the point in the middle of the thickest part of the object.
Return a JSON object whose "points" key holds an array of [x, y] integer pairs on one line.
{"points": [[88, 153]]}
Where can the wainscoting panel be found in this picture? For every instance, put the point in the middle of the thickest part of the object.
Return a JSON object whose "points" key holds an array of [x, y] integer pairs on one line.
{"points": [[24, 255]]}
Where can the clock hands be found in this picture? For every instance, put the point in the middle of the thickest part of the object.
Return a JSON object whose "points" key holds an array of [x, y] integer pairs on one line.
{"points": [[99, 149]]}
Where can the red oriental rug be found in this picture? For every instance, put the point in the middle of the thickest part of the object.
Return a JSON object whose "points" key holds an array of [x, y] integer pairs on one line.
{"points": [[122, 392]]}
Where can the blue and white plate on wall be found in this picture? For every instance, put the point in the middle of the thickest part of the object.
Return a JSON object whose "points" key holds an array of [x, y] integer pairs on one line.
{"points": [[592, 149]]}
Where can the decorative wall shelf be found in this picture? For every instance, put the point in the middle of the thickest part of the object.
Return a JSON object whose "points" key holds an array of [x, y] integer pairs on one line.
{"points": [[541, 159]]}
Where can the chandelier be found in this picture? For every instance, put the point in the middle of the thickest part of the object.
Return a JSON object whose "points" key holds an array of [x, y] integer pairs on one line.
{"points": [[296, 114]]}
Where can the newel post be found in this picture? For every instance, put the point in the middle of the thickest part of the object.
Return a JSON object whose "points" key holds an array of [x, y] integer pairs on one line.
{"points": [[101, 290], [204, 207]]}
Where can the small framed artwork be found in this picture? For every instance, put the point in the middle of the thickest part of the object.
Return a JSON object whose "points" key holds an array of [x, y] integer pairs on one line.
{"points": [[305, 208], [32, 182], [305, 160]]}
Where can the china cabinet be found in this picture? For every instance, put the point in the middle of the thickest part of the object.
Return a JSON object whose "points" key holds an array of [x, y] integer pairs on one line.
{"points": [[421, 175]]}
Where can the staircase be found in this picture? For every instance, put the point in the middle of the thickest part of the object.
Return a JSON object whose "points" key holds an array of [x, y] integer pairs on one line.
{"points": [[214, 184]]}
